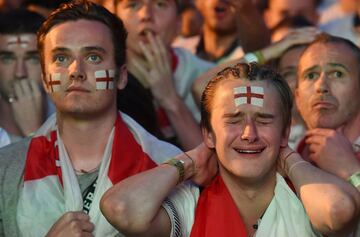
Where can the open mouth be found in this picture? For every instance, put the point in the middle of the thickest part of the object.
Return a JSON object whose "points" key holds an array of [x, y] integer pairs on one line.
{"points": [[249, 151], [144, 32], [220, 9]]}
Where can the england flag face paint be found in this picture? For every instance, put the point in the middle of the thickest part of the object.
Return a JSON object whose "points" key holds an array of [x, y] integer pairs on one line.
{"points": [[20, 40], [54, 82], [253, 95], [105, 79]]}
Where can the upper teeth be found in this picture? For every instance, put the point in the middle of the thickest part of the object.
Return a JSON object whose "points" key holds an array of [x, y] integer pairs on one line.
{"points": [[249, 151]]}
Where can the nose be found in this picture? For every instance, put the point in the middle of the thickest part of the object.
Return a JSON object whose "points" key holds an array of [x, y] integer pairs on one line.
{"points": [[250, 132], [322, 85], [76, 71], [20, 69], [146, 13]]}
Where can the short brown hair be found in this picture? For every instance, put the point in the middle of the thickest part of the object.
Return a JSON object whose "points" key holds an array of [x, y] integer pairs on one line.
{"points": [[84, 9], [251, 72]]}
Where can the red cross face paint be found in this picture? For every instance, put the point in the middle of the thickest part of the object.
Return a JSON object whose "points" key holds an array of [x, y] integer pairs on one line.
{"points": [[21, 40], [54, 82], [253, 95], [105, 79]]}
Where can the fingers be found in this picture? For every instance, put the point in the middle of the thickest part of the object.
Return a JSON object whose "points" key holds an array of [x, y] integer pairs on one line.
{"points": [[25, 89], [156, 54], [78, 221]]}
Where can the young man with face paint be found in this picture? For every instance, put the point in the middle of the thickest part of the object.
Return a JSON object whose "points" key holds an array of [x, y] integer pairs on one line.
{"points": [[51, 184], [158, 94], [23, 104], [246, 114]]}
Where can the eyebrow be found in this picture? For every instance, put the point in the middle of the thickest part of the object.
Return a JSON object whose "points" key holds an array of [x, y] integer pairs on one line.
{"points": [[60, 49], [85, 49], [3, 52], [93, 48], [242, 114], [310, 69], [338, 65]]}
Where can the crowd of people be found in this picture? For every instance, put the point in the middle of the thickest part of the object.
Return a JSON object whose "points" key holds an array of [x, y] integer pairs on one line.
{"points": [[199, 118]]}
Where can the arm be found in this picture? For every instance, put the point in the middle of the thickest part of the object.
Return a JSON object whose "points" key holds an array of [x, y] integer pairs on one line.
{"points": [[332, 204], [252, 31], [295, 37], [157, 73], [133, 206]]}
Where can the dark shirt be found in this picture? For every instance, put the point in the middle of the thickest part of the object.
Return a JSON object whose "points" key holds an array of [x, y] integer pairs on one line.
{"points": [[137, 101]]}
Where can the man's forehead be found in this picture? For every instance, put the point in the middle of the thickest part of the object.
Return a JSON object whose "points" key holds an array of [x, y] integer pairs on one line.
{"points": [[78, 34], [327, 53], [249, 92]]}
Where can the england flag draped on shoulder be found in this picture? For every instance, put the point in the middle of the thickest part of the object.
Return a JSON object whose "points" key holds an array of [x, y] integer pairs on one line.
{"points": [[51, 188]]}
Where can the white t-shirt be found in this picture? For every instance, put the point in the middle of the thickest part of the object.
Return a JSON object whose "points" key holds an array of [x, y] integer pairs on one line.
{"points": [[342, 27], [191, 44], [285, 215]]}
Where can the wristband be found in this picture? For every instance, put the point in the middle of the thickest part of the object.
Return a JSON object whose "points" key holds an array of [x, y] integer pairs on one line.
{"points": [[260, 57], [354, 179], [250, 58], [179, 165]]}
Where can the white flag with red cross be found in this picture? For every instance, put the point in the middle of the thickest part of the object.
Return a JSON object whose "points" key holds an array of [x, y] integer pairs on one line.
{"points": [[105, 79], [253, 95], [54, 82], [21, 40]]}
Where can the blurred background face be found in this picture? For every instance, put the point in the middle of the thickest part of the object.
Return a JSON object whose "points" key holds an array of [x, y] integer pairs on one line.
{"points": [[191, 22], [159, 17], [278, 9], [19, 59], [218, 15], [6, 5], [287, 68]]}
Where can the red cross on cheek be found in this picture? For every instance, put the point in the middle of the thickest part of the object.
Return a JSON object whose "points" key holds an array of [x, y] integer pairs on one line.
{"points": [[54, 82], [104, 79]]}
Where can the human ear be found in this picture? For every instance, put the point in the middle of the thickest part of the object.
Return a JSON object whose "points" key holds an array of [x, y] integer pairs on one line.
{"points": [[122, 77], [209, 138]]}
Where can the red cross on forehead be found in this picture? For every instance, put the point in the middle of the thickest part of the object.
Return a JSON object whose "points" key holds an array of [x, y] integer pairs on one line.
{"points": [[18, 41], [249, 94]]}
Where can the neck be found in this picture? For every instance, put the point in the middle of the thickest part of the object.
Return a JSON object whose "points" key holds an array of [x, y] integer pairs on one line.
{"points": [[251, 197], [217, 44], [85, 139], [7, 120]]}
